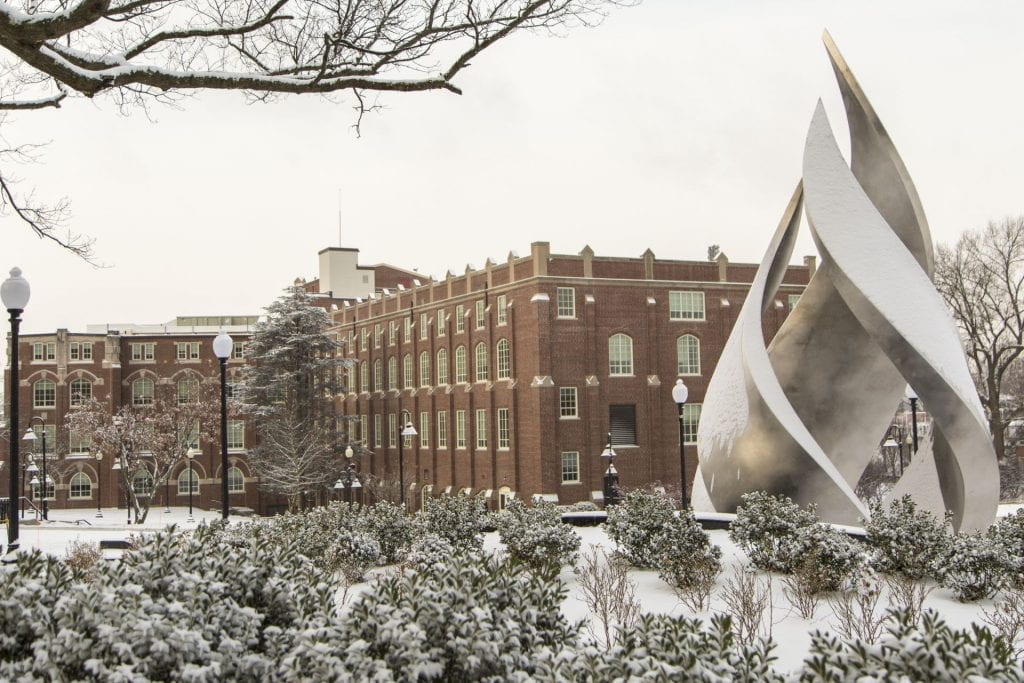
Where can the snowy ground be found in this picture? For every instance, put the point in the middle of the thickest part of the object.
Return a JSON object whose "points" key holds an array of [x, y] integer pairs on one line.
{"points": [[790, 631]]}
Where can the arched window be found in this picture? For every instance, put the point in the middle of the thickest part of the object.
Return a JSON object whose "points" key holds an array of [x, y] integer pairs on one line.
{"points": [[442, 366], [481, 362], [378, 375], [407, 379], [188, 476], [620, 355], [364, 377], [142, 483], [460, 364], [81, 391], [81, 486], [142, 392], [504, 354], [424, 369], [392, 373], [187, 390], [236, 480], [688, 355], [44, 394]]}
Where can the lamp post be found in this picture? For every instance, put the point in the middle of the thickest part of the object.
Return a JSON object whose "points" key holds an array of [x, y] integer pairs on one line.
{"points": [[99, 483], [116, 467], [912, 396], [30, 436], [679, 394], [349, 479], [190, 455], [15, 293], [123, 464], [32, 471], [612, 495], [407, 431], [222, 346]]}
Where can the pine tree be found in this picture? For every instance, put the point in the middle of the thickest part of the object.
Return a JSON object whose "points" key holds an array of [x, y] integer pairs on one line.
{"points": [[292, 374]]}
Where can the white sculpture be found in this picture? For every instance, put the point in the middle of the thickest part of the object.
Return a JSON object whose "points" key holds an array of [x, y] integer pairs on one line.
{"points": [[803, 417]]}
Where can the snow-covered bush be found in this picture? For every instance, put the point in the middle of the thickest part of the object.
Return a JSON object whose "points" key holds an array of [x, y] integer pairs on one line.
{"points": [[689, 563], [428, 551], [351, 552], [458, 519], [584, 506], [1009, 534], [666, 648], [82, 557], [392, 528], [973, 567], [912, 650], [637, 526], [905, 540], [766, 528], [825, 557], [537, 535]]}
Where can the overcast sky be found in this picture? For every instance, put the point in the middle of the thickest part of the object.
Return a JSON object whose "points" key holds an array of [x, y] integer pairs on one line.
{"points": [[674, 125]]}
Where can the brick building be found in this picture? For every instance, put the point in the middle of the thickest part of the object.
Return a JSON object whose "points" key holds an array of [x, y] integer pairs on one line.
{"points": [[515, 374]]}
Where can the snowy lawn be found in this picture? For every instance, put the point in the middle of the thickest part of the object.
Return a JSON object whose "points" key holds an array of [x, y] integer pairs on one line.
{"points": [[790, 631]]}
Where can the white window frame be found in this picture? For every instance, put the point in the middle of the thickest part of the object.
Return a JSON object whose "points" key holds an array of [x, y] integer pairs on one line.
{"points": [[236, 435], [364, 377], [479, 317], [146, 397], [378, 375], [240, 486], [460, 429], [377, 435], [424, 325], [71, 486], [392, 430], [440, 323], [570, 462], [188, 478], [691, 420], [503, 355], [442, 429], [77, 398], [617, 366], [424, 368], [688, 366], [565, 302], [186, 350], [49, 395], [408, 372], [461, 371], [442, 366], [393, 372], [481, 365], [424, 429], [144, 351], [568, 403], [460, 318], [502, 314], [682, 305], [392, 332], [504, 438], [481, 429]]}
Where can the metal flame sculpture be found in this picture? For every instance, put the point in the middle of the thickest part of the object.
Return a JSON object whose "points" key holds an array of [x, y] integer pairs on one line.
{"points": [[803, 416]]}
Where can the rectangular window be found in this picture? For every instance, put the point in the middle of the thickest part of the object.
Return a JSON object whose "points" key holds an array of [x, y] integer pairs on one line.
{"points": [[377, 333], [143, 351], [378, 375], [481, 429], [424, 430], [424, 325], [377, 431], [622, 424], [392, 333], [460, 318], [566, 300], [406, 329], [364, 377], [442, 429], [186, 350], [364, 433], [793, 298], [192, 437], [502, 304], [44, 351], [363, 337], [80, 351], [392, 431], [440, 323], [44, 394], [81, 444], [50, 432], [691, 418], [503, 432], [570, 467], [567, 404], [460, 428], [238, 349], [236, 434], [479, 317], [686, 305]]}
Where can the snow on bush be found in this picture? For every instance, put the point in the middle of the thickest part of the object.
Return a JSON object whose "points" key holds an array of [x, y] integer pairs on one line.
{"points": [[537, 535], [391, 527], [689, 563], [458, 519], [766, 528], [973, 567], [427, 552], [904, 540], [1009, 534], [825, 557], [637, 525], [583, 506]]}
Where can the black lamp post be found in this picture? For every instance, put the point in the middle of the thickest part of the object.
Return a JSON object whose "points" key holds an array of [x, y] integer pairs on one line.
{"points": [[99, 483], [679, 394], [612, 494], [30, 436], [32, 471], [15, 293], [349, 478], [912, 396], [222, 346], [407, 431], [191, 474]]}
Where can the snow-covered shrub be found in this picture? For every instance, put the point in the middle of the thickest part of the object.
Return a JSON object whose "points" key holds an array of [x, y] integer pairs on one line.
{"points": [[428, 551], [637, 526], [351, 552], [584, 506], [766, 527], [667, 648], [1009, 534], [905, 540], [689, 562], [459, 519], [912, 650], [537, 535], [82, 557], [392, 528], [459, 621], [825, 557], [973, 567]]}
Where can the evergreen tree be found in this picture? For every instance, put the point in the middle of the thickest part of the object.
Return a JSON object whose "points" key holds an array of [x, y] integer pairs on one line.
{"points": [[293, 372]]}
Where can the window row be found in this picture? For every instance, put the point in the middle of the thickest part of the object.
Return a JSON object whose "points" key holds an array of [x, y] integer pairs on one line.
{"points": [[409, 378], [437, 319], [620, 355], [47, 351], [80, 486], [81, 443], [439, 424]]}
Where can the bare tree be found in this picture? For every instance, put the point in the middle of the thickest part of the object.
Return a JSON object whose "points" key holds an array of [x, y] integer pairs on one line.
{"points": [[981, 278], [144, 51], [296, 457]]}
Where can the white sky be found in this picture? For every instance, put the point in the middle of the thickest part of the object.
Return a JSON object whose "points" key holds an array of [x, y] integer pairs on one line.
{"points": [[674, 125]]}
